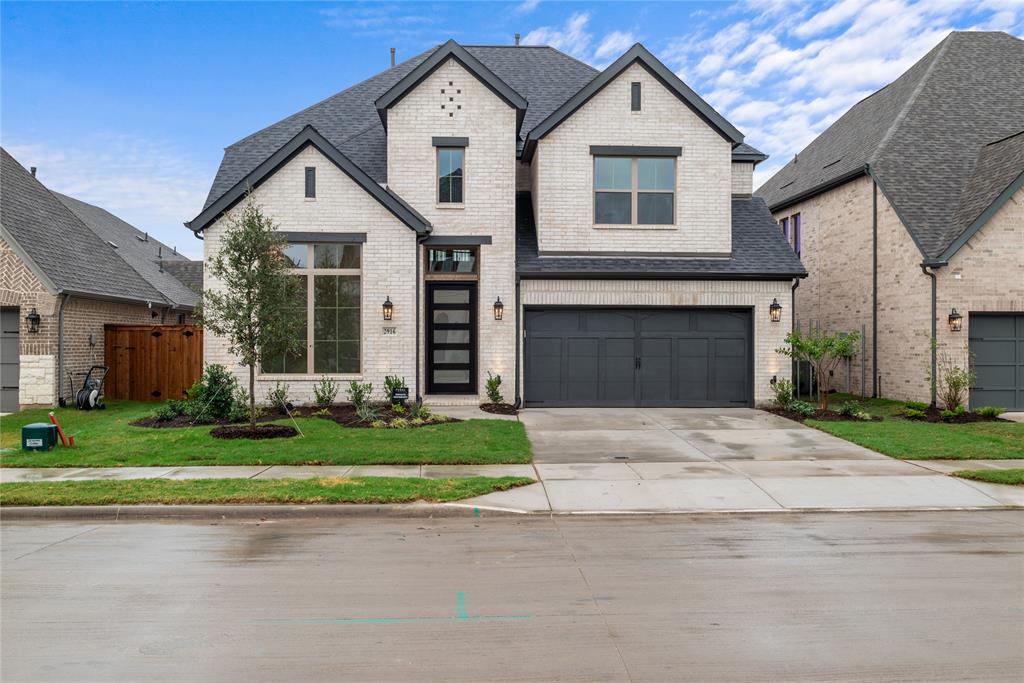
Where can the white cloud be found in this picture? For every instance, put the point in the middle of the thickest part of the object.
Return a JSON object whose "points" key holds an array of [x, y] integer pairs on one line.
{"points": [[526, 6], [572, 38], [614, 44], [830, 18], [148, 183]]}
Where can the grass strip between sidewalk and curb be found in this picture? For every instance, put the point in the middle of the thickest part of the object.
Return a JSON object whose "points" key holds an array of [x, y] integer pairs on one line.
{"points": [[324, 490], [1013, 477]]}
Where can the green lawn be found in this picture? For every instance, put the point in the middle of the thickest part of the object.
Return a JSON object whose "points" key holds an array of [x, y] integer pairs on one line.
{"points": [[912, 440], [104, 438], [249, 491], [1013, 477]]}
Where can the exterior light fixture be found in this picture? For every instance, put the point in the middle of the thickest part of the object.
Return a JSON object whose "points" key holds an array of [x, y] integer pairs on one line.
{"points": [[775, 311], [33, 319], [499, 309], [956, 321], [389, 308]]}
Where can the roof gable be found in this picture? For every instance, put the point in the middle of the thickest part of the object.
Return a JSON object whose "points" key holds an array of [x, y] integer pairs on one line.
{"points": [[637, 54], [450, 50], [309, 136]]}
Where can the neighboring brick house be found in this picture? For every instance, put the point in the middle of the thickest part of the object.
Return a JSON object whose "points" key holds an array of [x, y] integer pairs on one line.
{"points": [[933, 164], [67, 269], [588, 235]]}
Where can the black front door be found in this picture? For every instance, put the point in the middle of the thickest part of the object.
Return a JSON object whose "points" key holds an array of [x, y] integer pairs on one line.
{"points": [[451, 338]]}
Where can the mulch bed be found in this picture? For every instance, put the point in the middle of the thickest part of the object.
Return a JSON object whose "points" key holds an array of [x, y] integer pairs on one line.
{"points": [[262, 432], [499, 408], [186, 421], [934, 414], [823, 415], [344, 415]]}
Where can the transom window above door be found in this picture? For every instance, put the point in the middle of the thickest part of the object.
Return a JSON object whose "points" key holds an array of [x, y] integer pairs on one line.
{"points": [[634, 190], [451, 260], [330, 300]]}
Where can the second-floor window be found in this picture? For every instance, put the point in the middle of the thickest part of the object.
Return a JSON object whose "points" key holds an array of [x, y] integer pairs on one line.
{"points": [[450, 174], [634, 190]]}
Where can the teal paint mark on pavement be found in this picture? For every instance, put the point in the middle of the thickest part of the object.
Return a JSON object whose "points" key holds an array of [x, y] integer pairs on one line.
{"points": [[460, 606], [476, 512]]}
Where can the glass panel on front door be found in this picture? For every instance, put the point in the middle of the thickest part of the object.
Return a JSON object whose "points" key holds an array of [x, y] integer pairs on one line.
{"points": [[451, 337]]}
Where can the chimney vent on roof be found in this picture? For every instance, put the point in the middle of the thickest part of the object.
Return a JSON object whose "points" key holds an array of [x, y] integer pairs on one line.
{"points": [[32, 171], [517, 39], [144, 237], [392, 56]]}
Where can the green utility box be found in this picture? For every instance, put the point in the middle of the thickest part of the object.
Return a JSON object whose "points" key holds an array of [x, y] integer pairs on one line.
{"points": [[38, 436]]}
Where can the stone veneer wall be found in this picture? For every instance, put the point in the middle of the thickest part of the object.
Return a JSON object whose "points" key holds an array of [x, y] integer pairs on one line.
{"points": [[564, 169], [755, 294]]}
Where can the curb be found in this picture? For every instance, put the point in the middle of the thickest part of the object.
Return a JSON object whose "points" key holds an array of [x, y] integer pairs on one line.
{"points": [[117, 513]]}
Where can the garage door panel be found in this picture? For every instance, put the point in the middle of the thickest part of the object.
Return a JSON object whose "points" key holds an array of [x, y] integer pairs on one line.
{"points": [[609, 321], [656, 369], [659, 322], [995, 375], [993, 326], [990, 351], [721, 321], [556, 320], [997, 348]]}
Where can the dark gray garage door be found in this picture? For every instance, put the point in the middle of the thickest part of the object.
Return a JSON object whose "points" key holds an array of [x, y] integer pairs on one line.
{"points": [[9, 360], [997, 344], [637, 357]]}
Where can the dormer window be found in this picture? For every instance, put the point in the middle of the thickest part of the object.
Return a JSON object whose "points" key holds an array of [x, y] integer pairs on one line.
{"points": [[636, 190]]}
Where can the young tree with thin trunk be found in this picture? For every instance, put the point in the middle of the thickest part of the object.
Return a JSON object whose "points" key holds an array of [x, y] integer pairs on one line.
{"points": [[824, 352], [254, 307]]}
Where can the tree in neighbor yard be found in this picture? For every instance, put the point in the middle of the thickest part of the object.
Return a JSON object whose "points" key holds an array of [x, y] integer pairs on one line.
{"points": [[254, 309], [824, 352]]}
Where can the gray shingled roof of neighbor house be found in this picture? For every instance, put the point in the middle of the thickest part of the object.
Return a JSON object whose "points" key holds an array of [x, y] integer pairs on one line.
{"points": [[72, 257], [925, 139], [759, 250], [349, 119], [139, 250]]}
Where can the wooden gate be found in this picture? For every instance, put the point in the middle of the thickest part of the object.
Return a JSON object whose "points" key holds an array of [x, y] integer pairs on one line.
{"points": [[152, 362]]}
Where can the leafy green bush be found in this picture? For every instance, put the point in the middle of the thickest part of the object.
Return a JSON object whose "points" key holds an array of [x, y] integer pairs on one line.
{"points": [[914, 414], [325, 391], [493, 388], [948, 415], [278, 396], [240, 408], [419, 410], [990, 411], [915, 405], [214, 396], [802, 408], [359, 393], [783, 390], [391, 383], [379, 424], [854, 410], [399, 409], [170, 410]]}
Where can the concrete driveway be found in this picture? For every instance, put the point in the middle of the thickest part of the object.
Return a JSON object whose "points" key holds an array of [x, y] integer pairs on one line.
{"points": [[667, 435]]}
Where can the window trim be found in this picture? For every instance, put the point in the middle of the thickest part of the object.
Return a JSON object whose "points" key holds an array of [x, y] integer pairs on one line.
{"points": [[310, 272], [437, 177], [429, 275], [310, 182], [635, 96], [634, 191], [795, 222]]}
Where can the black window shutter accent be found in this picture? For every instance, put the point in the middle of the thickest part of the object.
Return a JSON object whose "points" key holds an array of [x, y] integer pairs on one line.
{"points": [[634, 97], [311, 181]]}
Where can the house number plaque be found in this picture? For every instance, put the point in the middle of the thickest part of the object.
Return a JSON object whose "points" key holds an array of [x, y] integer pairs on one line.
{"points": [[390, 330]]}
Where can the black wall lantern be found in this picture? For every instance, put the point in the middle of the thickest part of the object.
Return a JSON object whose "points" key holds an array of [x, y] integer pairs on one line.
{"points": [[33, 319], [389, 308], [499, 309], [956, 321], [775, 311]]}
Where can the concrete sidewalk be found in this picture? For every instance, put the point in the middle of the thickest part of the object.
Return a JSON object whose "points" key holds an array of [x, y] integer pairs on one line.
{"points": [[676, 487]]}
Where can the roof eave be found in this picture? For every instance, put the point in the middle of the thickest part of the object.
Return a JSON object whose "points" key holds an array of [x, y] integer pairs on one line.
{"points": [[648, 275], [818, 189], [983, 218], [32, 266]]}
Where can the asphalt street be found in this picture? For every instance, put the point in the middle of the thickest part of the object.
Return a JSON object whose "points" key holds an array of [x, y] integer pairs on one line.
{"points": [[922, 596]]}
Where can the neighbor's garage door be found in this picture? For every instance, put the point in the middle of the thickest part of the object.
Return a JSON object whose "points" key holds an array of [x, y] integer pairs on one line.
{"points": [[997, 344], [637, 357], [9, 360]]}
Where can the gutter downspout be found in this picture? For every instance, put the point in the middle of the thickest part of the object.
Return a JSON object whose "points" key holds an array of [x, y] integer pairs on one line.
{"points": [[874, 288], [420, 239], [929, 270], [519, 335], [60, 351], [792, 320]]}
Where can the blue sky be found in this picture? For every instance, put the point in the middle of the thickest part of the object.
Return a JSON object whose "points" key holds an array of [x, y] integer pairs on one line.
{"points": [[130, 105]]}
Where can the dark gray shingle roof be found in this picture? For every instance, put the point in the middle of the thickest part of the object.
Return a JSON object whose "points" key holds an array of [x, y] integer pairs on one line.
{"points": [[143, 256], [72, 256], [758, 251], [189, 273], [349, 120], [923, 137]]}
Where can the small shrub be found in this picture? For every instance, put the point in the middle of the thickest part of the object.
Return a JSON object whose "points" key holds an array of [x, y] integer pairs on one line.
{"points": [[916, 405], [437, 419], [493, 388], [399, 409], [990, 411], [949, 415], [325, 391], [419, 410], [802, 408], [240, 408], [323, 412], [170, 410], [417, 421], [278, 396], [359, 393], [783, 390], [214, 395], [392, 382], [854, 410], [379, 424], [399, 423], [367, 412], [914, 414]]}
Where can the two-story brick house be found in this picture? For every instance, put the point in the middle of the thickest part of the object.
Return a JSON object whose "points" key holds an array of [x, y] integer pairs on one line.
{"points": [[590, 236], [908, 213]]}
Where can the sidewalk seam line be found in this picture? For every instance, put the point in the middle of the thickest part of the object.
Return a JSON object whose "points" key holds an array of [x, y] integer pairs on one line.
{"points": [[253, 476]]}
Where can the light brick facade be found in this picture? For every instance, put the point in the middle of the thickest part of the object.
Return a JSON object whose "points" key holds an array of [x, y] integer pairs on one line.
{"points": [[837, 251], [564, 174]]}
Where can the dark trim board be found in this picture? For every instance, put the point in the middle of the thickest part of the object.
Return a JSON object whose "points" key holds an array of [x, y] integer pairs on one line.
{"points": [[332, 237], [450, 142], [610, 357], [634, 151], [456, 240]]}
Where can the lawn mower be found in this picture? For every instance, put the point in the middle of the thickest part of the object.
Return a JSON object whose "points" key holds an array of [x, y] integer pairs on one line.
{"points": [[89, 395]]}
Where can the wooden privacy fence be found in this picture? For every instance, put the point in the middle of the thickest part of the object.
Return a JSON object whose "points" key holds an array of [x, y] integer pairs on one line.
{"points": [[152, 362]]}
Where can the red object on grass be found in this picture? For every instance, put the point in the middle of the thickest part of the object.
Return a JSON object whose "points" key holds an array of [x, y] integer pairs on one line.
{"points": [[66, 440]]}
